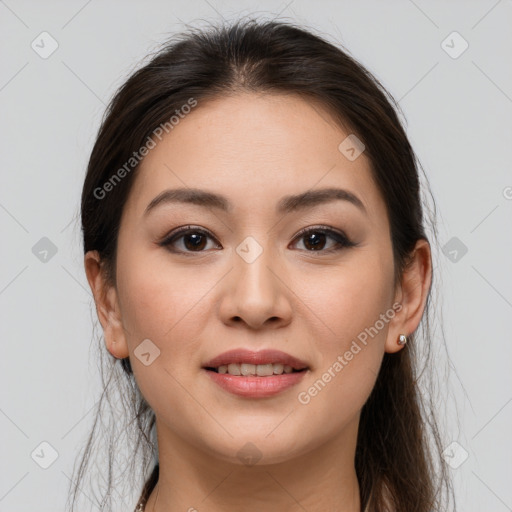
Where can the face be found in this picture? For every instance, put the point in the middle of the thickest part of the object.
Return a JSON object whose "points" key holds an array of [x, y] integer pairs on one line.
{"points": [[256, 270]]}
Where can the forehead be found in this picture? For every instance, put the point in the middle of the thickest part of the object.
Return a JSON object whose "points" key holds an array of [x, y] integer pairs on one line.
{"points": [[254, 148]]}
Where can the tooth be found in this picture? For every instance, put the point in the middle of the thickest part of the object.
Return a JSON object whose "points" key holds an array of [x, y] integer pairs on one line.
{"points": [[248, 369], [263, 370], [278, 368], [260, 370], [234, 369]]}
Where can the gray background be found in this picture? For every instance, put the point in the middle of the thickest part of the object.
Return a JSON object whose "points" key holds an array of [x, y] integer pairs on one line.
{"points": [[458, 113]]}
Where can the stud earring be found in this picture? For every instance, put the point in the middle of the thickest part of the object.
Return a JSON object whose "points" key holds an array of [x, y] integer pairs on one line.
{"points": [[402, 340]]}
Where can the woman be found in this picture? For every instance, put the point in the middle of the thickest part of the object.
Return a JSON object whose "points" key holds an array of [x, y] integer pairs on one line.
{"points": [[255, 243]]}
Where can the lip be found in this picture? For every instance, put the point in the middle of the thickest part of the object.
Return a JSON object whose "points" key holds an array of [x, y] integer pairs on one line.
{"points": [[254, 386], [242, 355]]}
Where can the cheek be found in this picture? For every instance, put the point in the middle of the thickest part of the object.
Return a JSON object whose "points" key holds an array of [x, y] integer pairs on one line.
{"points": [[157, 295], [169, 306], [164, 303], [348, 354], [349, 300]]}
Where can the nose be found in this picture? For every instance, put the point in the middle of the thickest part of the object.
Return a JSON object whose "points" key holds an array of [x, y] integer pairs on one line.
{"points": [[255, 294]]}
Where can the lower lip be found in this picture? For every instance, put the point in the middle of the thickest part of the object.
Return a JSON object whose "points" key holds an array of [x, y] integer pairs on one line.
{"points": [[256, 387]]}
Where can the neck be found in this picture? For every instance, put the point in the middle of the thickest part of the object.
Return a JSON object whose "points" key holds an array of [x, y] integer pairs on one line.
{"points": [[323, 479]]}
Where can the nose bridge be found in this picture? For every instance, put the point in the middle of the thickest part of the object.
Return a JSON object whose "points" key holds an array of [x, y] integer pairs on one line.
{"points": [[252, 268], [256, 294]]}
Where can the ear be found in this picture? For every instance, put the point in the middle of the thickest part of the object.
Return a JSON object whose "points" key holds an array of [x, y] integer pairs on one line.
{"points": [[107, 306], [412, 295]]}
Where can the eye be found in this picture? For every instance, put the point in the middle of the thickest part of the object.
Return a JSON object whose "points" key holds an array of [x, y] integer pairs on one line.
{"points": [[188, 239], [316, 239], [191, 240]]}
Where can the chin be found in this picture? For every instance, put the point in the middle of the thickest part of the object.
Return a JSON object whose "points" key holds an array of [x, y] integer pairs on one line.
{"points": [[258, 449]]}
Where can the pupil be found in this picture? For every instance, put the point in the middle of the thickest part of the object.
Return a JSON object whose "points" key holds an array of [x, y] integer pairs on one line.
{"points": [[314, 241], [197, 243]]}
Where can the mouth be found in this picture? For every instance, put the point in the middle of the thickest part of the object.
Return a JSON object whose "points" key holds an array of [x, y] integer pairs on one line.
{"points": [[255, 374], [264, 363]]}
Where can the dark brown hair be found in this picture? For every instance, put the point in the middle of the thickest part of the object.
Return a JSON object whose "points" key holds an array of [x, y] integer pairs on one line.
{"points": [[397, 461]]}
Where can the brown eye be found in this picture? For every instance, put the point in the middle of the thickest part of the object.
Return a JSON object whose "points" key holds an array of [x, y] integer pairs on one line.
{"points": [[314, 241], [187, 239], [194, 241], [317, 239]]}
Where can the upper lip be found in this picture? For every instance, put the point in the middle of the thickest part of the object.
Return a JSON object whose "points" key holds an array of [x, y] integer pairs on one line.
{"points": [[242, 355]]}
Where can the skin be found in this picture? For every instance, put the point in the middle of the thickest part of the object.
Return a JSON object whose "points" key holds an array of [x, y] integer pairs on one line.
{"points": [[254, 149]]}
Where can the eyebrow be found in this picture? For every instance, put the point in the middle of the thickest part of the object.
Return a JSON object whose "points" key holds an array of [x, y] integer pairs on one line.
{"points": [[287, 204]]}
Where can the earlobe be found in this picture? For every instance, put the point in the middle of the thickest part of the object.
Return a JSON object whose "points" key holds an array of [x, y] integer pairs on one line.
{"points": [[413, 293], [107, 307], [118, 350]]}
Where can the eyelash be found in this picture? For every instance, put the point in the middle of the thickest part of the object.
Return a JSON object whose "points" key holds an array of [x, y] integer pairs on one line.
{"points": [[343, 242]]}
